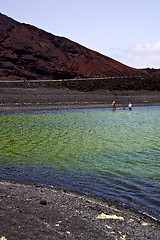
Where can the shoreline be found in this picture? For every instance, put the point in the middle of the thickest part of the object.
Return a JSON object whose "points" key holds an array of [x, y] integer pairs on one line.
{"points": [[37, 108], [42, 98], [38, 212], [32, 107]]}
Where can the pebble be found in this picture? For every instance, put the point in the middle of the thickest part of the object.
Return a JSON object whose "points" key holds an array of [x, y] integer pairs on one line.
{"points": [[43, 202]]}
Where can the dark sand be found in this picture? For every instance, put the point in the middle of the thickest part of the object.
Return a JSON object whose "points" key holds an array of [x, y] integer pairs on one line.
{"points": [[35, 212], [51, 98]]}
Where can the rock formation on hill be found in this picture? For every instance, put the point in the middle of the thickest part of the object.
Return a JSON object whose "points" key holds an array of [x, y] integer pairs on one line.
{"points": [[27, 52]]}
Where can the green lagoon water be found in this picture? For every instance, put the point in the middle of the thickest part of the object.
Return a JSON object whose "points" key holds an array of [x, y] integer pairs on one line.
{"points": [[111, 154]]}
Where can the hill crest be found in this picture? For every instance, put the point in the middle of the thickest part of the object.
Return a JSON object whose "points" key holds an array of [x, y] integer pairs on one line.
{"points": [[27, 52]]}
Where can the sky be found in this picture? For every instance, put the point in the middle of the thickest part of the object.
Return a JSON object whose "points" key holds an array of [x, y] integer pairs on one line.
{"points": [[125, 30]]}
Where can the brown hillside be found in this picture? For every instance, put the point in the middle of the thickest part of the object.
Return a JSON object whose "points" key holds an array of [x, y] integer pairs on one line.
{"points": [[27, 52]]}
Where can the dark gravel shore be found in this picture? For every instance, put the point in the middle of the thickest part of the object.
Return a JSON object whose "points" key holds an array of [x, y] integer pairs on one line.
{"points": [[35, 212], [52, 98]]}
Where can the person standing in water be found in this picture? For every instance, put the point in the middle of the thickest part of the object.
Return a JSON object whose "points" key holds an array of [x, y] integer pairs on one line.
{"points": [[130, 106], [114, 105]]}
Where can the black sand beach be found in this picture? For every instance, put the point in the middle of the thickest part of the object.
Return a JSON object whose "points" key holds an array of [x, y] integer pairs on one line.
{"points": [[36, 212], [42, 98]]}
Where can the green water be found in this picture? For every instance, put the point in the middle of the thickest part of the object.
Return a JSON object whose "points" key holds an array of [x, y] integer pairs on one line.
{"points": [[111, 154], [124, 141]]}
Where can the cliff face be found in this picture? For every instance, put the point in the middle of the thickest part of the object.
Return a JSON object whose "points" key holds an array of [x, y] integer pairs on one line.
{"points": [[27, 52]]}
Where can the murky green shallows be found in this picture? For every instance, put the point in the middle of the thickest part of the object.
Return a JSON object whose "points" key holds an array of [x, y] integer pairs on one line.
{"points": [[102, 144]]}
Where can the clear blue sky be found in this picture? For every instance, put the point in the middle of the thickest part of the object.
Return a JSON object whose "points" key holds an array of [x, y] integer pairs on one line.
{"points": [[126, 30]]}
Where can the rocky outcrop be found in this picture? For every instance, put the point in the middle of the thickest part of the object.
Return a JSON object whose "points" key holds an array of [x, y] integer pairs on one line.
{"points": [[27, 52]]}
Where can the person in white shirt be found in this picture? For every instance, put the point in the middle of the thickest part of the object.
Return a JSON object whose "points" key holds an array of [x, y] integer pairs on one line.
{"points": [[130, 106]]}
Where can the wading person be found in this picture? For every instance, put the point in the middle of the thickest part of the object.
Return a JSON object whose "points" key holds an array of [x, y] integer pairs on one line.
{"points": [[114, 105], [130, 106]]}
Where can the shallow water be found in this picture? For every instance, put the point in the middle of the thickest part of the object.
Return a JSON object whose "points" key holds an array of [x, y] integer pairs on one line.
{"points": [[115, 155]]}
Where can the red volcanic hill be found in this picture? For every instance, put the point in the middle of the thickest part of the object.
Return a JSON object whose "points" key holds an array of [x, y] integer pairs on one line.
{"points": [[27, 52]]}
